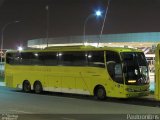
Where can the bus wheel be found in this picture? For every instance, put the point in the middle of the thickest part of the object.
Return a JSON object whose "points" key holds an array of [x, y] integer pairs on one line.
{"points": [[100, 93], [26, 86], [38, 87]]}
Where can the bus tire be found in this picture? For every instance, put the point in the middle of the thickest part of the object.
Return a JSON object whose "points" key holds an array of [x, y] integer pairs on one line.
{"points": [[26, 86], [38, 87], [100, 93]]}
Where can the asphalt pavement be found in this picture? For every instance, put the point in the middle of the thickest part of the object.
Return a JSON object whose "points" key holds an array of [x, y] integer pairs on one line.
{"points": [[50, 105]]}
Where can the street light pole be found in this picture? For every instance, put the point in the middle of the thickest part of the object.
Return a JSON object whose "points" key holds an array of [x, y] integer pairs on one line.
{"points": [[104, 20], [84, 28], [47, 31], [97, 13], [2, 37]]}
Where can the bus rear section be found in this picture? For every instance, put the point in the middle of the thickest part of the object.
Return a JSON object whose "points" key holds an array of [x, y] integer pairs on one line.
{"points": [[102, 72]]}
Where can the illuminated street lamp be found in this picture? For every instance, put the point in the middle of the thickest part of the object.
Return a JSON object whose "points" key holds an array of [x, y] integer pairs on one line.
{"points": [[2, 38], [97, 13], [20, 48]]}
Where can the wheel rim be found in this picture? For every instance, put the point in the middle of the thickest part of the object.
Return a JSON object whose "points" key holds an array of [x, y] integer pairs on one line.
{"points": [[26, 87], [101, 93], [38, 88]]}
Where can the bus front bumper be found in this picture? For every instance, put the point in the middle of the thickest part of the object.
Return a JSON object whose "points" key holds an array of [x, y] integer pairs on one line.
{"points": [[137, 94]]}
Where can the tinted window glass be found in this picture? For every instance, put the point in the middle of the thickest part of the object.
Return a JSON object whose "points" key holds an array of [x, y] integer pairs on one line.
{"points": [[10, 58], [112, 56], [73, 58], [135, 67], [27, 58], [35, 59], [96, 58], [13, 58], [48, 58], [32, 58]]}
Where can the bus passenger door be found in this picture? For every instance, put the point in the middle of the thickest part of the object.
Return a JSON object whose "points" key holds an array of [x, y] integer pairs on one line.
{"points": [[115, 76], [115, 79]]}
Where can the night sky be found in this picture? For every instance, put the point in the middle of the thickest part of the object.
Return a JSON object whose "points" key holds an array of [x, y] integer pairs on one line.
{"points": [[66, 18]]}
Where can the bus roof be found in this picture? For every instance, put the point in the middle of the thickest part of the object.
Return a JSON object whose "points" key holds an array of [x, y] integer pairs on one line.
{"points": [[79, 48]]}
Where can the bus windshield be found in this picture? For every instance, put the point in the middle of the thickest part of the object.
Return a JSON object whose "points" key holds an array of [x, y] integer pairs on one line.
{"points": [[135, 68]]}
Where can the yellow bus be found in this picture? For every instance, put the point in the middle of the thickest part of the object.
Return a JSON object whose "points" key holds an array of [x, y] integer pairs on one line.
{"points": [[100, 72], [157, 72]]}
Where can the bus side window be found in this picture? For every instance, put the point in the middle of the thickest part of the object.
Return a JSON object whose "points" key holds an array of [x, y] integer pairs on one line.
{"points": [[35, 58], [65, 58], [79, 59], [96, 58], [48, 58], [73, 59], [17, 58], [25, 58], [10, 58], [13, 58], [112, 56]]}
